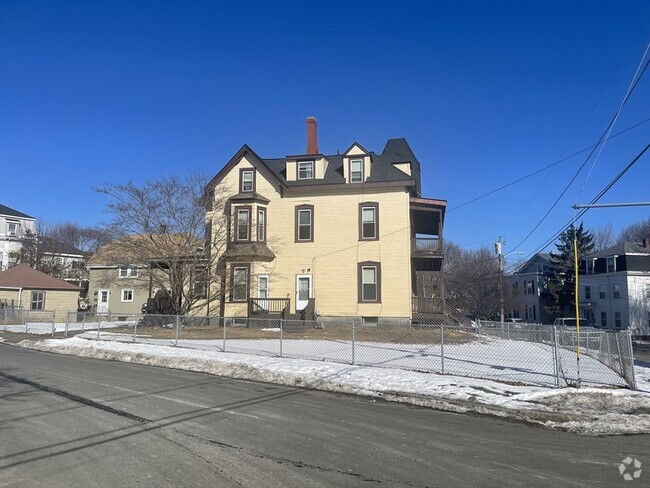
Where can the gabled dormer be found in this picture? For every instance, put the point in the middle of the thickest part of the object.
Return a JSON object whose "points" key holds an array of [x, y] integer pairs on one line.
{"points": [[306, 167], [357, 164], [310, 166]]}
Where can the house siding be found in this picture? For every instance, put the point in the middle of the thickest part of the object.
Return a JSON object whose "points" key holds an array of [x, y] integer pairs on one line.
{"points": [[332, 257], [58, 301]]}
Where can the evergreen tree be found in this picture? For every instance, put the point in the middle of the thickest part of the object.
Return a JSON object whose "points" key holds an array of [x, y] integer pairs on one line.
{"points": [[560, 277]]}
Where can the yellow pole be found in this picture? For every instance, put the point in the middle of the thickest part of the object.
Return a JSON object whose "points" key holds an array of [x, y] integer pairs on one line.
{"points": [[576, 293]]}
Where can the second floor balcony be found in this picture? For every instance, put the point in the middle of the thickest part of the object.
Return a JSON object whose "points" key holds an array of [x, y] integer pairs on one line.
{"points": [[427, 219], [426, 247]]}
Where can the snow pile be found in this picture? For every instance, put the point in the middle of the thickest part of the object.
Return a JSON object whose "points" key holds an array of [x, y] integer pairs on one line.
{"points": [[587, 411]]}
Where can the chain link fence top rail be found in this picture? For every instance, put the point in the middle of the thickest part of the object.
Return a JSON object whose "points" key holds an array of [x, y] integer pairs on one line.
{"points": [[514, 353]]}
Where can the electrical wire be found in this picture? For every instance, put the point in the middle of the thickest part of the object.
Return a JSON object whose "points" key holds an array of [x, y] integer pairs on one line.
{"points": [[519, 180], [583, 211], [601, 139]]}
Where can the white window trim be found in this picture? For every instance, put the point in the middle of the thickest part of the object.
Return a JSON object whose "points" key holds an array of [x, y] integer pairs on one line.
{"points": [[360, 161], [122, 294], [131, 272], [306, 164]]}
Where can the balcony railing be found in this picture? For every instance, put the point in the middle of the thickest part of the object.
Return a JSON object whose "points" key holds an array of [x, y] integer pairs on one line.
{"points": [[426, 245]]}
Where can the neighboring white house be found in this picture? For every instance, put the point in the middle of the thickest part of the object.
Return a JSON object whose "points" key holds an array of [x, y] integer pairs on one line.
{"points": [[13, 227], [615, 287]]}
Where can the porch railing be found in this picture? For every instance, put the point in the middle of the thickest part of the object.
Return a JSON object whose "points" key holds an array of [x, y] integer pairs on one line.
{"points": [[268, 305], [427, 305]]}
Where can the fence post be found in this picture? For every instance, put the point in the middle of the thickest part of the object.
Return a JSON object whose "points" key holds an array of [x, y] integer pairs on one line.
{"points": [[177, 324], [281, 336], [4, 309], [99, 325], [65, 330], [556, 358], [53, 323], [135, 331], [83, 322], [632, 382], [26, 318], [442, 348], [353, 333], [224, 333]]}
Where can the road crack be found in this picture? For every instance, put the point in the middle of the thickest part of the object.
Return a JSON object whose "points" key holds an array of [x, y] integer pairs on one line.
{"points": [[292, 462]]}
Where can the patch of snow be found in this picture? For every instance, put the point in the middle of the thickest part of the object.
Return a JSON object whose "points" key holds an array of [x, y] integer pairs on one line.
{"points": [[587, 411]]}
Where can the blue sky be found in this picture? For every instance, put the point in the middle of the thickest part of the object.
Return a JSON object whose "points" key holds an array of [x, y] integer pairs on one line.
{"points": [[485, 93]]}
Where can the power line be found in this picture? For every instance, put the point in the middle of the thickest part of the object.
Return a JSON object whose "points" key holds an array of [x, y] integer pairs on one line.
{"points": [[593, 201], [600, 140], [544, 168]]}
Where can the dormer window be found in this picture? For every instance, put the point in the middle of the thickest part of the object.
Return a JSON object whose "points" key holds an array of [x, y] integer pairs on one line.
{"points": [[12, 228], [305, 170], [247, 180], [611, 265], [356, 170]]}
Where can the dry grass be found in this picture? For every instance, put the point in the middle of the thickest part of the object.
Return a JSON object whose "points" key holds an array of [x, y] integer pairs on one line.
{"points": [[392, 335]]}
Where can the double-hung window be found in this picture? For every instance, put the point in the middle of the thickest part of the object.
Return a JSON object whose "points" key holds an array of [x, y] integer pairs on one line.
{"points": [[239, 291], [356, 170], [603, 320], [261, 224], [529, 287], [369, 276], [247, 180], [305, 170], [618, 321], [127, 295], [368, 221], [128, 272], [587, 292], [12, 228], [243, 224], [305, 223], [38, 301], [601, 292], [611, 264], [616, 291]]}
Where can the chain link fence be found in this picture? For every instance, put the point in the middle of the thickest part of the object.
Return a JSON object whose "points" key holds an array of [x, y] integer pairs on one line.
{"points": [[17, 319], [513, 353]]}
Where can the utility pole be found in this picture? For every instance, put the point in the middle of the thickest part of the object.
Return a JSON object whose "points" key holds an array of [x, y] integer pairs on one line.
{"points": [[498, 249]]}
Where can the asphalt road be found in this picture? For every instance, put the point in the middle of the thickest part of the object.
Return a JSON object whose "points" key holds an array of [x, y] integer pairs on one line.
{"points": [[75, 422]]}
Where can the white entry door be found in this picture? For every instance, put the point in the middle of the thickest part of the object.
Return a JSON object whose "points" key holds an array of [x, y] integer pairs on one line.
{"points": [[102, 301], [303, 291]]}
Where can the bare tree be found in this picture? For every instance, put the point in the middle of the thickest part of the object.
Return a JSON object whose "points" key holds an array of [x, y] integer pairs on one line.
{"points": [[604, 237], [472, 280], [160, 226], [636, 232], [72, 235]]}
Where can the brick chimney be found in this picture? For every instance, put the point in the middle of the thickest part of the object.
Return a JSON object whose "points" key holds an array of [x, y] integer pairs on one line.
{"points": [[312, 136], [645, 242]]}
